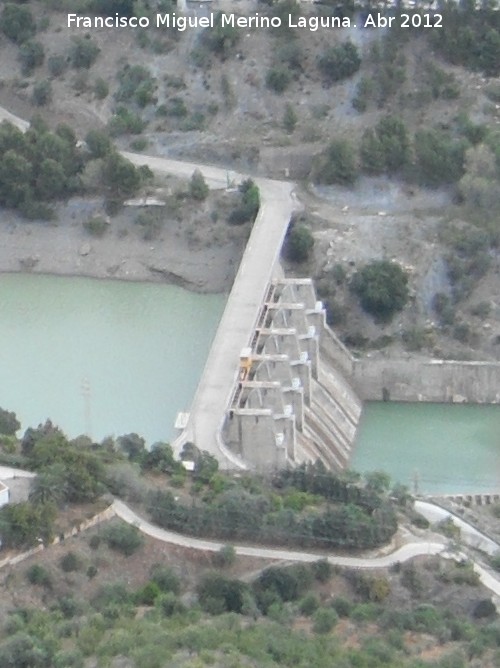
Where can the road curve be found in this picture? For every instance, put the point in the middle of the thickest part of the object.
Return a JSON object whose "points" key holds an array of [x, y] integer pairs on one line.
{"points": [[403, 553], [408, 551]]}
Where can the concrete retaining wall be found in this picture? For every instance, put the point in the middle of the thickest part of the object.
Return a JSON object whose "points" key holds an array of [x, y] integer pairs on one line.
{"points": [[106, 514], [427, 380]]}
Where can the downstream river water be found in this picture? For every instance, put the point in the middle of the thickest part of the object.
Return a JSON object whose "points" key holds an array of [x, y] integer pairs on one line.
{"points": [[440, 448], [102, 357]]}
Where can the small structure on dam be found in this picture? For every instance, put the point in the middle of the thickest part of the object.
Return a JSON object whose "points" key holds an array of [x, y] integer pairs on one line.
{"points": [[291, 404]]}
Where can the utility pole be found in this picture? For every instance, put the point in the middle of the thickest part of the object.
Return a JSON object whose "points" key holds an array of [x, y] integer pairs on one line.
{"points": [[416, 483], [86, 393]]}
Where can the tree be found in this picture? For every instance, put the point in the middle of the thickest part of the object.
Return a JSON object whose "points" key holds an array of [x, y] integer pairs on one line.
{"points": [[9, 423], [133, 446], [15, 177], [17, 23], [439, 157], [250, 203], [198, 188], [337, 164], [98, 143], [50, 485], [22, 524], [51, 181], [339, 62], [382, 288], [120, 175], [299, 243], [385, 147], [160, 458]]}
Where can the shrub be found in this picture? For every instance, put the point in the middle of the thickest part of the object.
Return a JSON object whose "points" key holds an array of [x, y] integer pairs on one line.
{"points": [[290, 118], [136, 84], [299, 243], [94, 541], [342, 606], [221, 39], [31, 55], [56, 65], [225, 557], [83, 53], [38, 575], [382, 288], [71, 658], [198, 188], [70, 562], [101, 88], [324, 620], [337, 164], [165, 578], [115, 594], [91, 571], [339, 62], [125, 121], [123, 538], [96, 226], [322, 570], [147, 594], [484, 608], [309, 604], [278, 79], [169, 604], [42, 93], [69, 606], [218, 594], [17, 23]]}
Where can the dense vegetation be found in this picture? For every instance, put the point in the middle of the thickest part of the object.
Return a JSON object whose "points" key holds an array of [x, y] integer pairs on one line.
{"points": [[239, 623], [40, 166], [307, 507]]}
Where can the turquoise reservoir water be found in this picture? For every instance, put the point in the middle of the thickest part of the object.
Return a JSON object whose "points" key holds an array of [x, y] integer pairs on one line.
{"points": [[105, 357], [445, 448]]}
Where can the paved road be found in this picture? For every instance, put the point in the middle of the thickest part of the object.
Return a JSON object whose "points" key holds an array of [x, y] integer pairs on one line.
{"points": [[8, 473], [413, 548], [405, 552], [257, 267], [468, 534]]}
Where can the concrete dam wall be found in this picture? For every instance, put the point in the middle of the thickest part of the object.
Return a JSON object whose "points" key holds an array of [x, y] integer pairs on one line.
{"points": [[291, 405]]}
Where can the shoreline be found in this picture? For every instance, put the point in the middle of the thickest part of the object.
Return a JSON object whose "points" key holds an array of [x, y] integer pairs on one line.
{"points": [[64, 248]]}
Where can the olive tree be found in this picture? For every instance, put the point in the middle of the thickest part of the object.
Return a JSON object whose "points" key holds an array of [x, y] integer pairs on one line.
{"points": [[382, 288]]}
